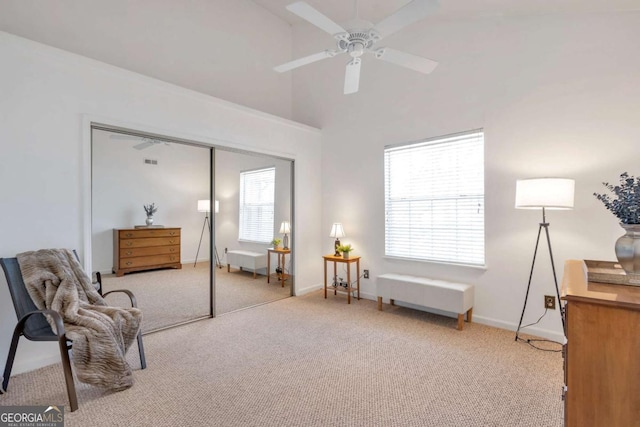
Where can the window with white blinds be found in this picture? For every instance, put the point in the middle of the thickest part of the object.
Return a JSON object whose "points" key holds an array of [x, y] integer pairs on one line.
{"points": [[434, 199], [257, 195]]}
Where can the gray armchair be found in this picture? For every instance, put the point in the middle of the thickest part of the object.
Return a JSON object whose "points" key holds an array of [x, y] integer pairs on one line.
{"points": [[33, 325]]}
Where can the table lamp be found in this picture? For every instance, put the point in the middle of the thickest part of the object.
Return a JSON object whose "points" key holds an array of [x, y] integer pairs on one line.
{"points": [[285, 229], [337, 231]]}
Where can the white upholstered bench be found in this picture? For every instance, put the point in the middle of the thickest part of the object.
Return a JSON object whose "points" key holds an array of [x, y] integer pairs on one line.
{"points": [[246, 259], [438, 294]]}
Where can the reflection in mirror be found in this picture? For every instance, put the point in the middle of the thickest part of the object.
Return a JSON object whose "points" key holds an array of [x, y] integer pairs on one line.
{"points": [[152, 256], [254, 196]]}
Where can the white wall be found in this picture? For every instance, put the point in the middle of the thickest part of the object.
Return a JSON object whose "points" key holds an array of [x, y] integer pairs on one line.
{"points": [[228, 167], [48, 99], [228, 48], [556, 96], [122, 183]]}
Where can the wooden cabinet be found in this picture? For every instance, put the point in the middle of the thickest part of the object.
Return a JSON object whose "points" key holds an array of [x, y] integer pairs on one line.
{"points": [[137, 249], [602, 354]]}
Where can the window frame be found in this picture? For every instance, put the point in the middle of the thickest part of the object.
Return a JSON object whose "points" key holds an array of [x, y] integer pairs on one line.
{"points": [[242, 206], [391, 203]]}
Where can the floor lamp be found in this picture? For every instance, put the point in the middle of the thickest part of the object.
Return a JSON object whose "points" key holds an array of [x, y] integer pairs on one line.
{"points": [[544, 193], [205, 206]]}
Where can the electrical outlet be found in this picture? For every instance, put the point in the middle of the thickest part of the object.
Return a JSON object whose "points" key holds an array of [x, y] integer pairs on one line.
{"points": [[366, 274], [225, 250], [550, 302]]}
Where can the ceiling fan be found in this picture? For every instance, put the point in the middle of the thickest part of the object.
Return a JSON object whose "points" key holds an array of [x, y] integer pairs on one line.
{"points": [[363, 39], [146, 142]]}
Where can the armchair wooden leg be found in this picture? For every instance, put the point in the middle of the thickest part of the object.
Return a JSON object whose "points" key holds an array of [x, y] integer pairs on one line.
{"points": [[68, 375]]}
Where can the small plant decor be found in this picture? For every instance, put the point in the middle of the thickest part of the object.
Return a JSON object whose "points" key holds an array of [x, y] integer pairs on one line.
{"points": [[276, 242], [150, 209], [345, 248], [626, 205]]}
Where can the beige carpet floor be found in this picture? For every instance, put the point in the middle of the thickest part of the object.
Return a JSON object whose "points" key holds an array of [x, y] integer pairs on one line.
{"points": [[168, 297], [307, 361]]}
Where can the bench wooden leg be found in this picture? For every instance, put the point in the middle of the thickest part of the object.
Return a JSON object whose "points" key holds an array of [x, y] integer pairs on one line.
{"points": [[469, 314], [254, 274], [392, 301], [228, 268], [460, 321], [380, 303]]}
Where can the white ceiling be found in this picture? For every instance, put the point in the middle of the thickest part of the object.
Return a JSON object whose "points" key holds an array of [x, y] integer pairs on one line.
{"points": [[342, 11], [228, 48]]}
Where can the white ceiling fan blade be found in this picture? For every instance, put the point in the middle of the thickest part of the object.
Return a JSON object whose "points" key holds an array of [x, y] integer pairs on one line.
{"points": [[410, 13], [408, 60], [306, 12], [144, 145], [352, 76], [305, 60]]}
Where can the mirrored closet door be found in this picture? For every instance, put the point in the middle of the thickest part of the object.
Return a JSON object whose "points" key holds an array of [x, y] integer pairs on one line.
{"points": [[153, 220], [147, 226], [254, 197]]}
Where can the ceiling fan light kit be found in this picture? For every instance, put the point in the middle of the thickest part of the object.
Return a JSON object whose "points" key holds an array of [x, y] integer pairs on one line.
{"points": [[358, 41]]}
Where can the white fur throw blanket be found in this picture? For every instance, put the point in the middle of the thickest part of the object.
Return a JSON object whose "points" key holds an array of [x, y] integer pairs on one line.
{"points": [[101, 335]]}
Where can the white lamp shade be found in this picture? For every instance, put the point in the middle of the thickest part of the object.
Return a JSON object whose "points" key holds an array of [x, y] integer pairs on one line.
{"points": [[217, 206], [548, 193], [285, 228], [337, 231], [204, 206]]}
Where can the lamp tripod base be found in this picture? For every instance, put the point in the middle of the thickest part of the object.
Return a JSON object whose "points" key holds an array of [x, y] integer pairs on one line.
{"points": [[205, 224], [544, 224]]}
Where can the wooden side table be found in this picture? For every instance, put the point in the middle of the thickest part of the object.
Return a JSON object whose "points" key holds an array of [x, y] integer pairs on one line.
{"points": [[281, 263], [349, 289]]}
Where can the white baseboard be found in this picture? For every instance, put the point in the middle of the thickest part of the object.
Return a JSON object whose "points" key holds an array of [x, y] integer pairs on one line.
{"points": [[192, 261], [302, 291], [483, 320], [538, 332]]}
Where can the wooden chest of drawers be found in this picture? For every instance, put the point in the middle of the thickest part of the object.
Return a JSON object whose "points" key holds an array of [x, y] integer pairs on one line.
{"points": [[137, 249], [602, 373]]}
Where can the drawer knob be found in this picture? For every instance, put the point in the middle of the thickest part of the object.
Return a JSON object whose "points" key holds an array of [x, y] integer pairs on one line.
{"points": [[129, 234], [171, 241], [172, 232], [128, 252], [129, 243], [172, 250], [128, 263]]}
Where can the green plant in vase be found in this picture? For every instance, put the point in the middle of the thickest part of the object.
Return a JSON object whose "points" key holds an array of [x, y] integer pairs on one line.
{"points": [[345, 249], [276, 243]]}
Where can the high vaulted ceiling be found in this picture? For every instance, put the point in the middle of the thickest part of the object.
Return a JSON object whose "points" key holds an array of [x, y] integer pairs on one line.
{"points": [[342, 11], [228, 48]]}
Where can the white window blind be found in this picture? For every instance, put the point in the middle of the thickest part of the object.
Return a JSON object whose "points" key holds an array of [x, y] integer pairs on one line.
{"points": [[257, 195], [434, 199]]}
